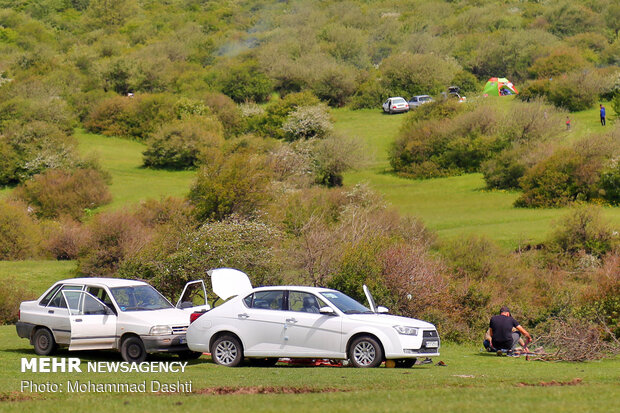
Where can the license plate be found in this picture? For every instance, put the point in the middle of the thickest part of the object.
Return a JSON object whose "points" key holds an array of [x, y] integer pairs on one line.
{"points": [[432, 344]]}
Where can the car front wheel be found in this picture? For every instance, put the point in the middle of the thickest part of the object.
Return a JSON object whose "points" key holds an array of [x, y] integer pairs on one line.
{"points": [[227, 351], [43, 341], [365, 351], [133, 350]]}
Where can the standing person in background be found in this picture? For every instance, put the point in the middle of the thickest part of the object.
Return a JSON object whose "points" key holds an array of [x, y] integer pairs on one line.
{"points": [[602, 115], [500, 329]]}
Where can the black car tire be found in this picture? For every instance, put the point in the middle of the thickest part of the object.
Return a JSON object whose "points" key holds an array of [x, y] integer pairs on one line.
{"points": [[227, 351], [43, 341], [365, 352], [132, 350]]}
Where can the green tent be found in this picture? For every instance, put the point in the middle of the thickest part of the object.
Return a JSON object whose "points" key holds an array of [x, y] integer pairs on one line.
{"points": [[499, 86]]}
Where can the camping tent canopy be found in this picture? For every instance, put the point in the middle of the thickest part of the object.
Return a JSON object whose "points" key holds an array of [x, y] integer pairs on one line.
{"points": [[499, 86]]}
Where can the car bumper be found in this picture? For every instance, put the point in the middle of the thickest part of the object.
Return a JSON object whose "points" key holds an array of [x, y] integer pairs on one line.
{"points": [[413, 347], [24, 330], [166, 343]]}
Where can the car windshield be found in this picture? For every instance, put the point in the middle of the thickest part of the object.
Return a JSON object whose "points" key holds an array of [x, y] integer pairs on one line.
{"points": [[399, 100], [139, 298], [424, 98], [345, 303]]}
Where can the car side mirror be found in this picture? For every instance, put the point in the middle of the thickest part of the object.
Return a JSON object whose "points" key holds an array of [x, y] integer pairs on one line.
{"points": [[382, 310], [327, 311]]}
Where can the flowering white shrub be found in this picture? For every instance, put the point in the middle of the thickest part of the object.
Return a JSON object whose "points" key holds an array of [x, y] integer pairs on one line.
{"points": [[308, 122]]}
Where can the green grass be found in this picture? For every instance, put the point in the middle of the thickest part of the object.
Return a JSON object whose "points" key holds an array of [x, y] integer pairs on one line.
{"points": [[455, 205], [35, 276], [131, 182], [491, 383]]}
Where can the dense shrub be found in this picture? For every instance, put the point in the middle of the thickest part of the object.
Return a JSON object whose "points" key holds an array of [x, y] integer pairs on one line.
{"points": [[58, 192], [246, 82], [409, 74], [570, 174], [177, 145], [558, 62], [11, 296], [307, 122], [575, 91], [66, 240], [583, 229], [234, 243], [112, 236], [610, 182], [19, 234], [32, 148], [333, 156], [233, 183], [227, 112], [131, 117]]}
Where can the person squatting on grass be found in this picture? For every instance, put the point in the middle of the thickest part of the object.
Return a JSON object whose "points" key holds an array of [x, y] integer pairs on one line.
{"points": [[504, 333]]}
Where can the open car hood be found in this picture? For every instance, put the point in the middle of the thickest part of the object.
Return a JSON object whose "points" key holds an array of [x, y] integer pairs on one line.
{"points": [[227, 282], [371, 300]]}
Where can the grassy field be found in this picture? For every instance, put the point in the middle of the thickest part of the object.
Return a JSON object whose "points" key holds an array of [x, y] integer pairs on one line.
{"points": [[470, 382], [35, 276], [131, 182], [455, 205]]}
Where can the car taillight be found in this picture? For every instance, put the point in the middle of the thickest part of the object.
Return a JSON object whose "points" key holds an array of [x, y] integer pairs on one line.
{"points": [[194, 316], [19, 314], [393, 107]]}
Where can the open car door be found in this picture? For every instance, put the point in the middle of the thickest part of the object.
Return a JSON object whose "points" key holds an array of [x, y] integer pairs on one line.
{"points": [[194, 297], [93, 324], [228, 282]]}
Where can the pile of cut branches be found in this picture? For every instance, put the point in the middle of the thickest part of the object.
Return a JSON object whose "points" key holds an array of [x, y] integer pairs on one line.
{"points": [[575, 340]]}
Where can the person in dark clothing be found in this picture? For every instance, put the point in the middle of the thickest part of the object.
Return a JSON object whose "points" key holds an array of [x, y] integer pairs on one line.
{"points": [[501, 332], [602, 115]]}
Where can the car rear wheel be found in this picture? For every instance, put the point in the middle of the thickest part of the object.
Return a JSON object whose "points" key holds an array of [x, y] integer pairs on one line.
{"points": [[227, 351], [43, 341], [365, 351], [133, 350]]}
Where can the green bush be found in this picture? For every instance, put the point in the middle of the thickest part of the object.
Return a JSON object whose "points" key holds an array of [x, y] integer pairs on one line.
{"points": [[558, 62], [575, 91], [583, 229], [245, 82], [19, 234], [307, 122], [11, 296], [610, 182], [178, 145], [187, 254], [227, 112], [269, 123], [132, 117], [56, 192], [236, 183]]}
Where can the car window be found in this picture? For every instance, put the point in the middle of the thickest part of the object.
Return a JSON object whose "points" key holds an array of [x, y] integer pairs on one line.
{"points": [[304, 302], [48, 296], [267, 300], [101, 294], [59, 300], [345, 303], [401, 100], [139, 298], [425, 99], [83, 303]]}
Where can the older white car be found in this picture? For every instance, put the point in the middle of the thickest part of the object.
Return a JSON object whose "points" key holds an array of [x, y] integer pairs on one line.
{"points": [[267, 323], [110, 313], [395, 105]]}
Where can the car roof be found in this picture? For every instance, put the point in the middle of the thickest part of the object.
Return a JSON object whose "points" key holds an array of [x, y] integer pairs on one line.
{"points": [[109, 282], [301, 288]]}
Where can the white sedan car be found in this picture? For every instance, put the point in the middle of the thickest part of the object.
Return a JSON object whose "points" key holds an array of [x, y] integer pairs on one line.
{"points": [[110, 313], [264, 324], [395, 105]]}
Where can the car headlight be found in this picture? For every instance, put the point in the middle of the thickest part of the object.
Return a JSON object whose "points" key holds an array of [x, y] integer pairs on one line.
{"points": [[160, 330], [406, 330]]}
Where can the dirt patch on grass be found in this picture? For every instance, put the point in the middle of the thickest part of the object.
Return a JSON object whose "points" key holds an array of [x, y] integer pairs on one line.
{"points": [[573, 382], [16, 396], [223, 390]]}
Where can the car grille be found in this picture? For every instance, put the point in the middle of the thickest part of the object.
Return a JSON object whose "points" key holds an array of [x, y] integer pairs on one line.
{"points": [[179, 329], [430, 333]]}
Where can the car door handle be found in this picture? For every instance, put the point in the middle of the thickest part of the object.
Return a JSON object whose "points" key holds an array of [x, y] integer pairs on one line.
{"points": [[291, 320], [243, 315], [50, 311], [78, 320]]}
